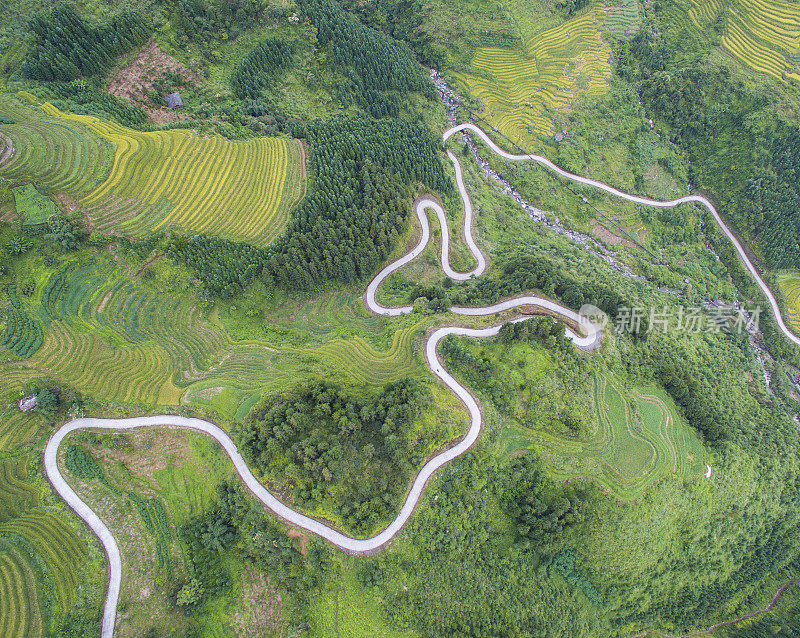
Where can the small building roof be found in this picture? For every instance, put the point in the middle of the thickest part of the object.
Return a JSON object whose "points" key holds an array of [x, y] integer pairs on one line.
{"points": [[174, 101], [28, 403]]}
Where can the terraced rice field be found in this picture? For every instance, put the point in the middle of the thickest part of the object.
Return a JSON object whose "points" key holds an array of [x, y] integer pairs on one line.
{"points": [[121, 341], [18, 429], [61, 550], [789, 284], [20, 615], [64, 155], [367, 364], [131, 182], [764, 35], [177, 179], [640, 439], [17, 495], [523, 89], [624, 18]]}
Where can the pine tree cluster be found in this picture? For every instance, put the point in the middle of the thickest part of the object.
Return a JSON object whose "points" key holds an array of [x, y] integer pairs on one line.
{"points": [[66, 47]]}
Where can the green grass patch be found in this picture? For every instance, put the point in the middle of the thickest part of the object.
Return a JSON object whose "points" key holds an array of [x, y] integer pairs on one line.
{"points": [[346, 608], [34, 208]]}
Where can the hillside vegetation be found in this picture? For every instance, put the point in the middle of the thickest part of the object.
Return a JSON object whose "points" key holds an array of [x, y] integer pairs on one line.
{"points": [[157, 261], [744, 154]]}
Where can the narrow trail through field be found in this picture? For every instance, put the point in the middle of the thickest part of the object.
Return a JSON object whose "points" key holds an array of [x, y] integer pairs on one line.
{"points": [[588, 340]]}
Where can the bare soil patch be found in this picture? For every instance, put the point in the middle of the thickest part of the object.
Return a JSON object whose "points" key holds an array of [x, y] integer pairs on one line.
{"points": [[68, 204], [607, 237], [7, 150], [151, 261], [105, 300], [298, 533], [135, 81]]}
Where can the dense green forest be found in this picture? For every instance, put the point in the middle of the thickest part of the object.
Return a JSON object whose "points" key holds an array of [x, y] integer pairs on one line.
{"points": [[206, 22], [377, 68], [783, 621], [365, 171], [66, 47], [403, 21], [356, 453], [259, 66], [742, 150]]}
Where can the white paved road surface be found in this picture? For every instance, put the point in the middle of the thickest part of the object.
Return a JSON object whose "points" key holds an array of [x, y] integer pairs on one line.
{"points": [[589, 340]]}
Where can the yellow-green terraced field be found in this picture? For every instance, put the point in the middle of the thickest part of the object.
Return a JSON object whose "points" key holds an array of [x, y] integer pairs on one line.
{"points": [[523, 89], [17, 495], [64, 155], [764, 35], [58, 546], [131, 182], [640, 439], [20, 615], [370, 365], [178, 179], [789, 284], [18, 429]]}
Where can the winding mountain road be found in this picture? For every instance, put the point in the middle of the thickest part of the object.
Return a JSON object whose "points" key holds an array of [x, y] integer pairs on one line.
{"points": [[699, 199], [588, 338]]}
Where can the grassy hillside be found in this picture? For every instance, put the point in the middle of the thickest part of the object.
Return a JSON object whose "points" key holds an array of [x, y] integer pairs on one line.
{"points": [[625, 439]]}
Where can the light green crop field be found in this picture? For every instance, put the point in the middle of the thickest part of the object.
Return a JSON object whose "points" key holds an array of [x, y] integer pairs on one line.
{"points": [[624, 18], [638, 440], [523, 89], [763, 35], [346, 608], [789, 284], [131, 182]]}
